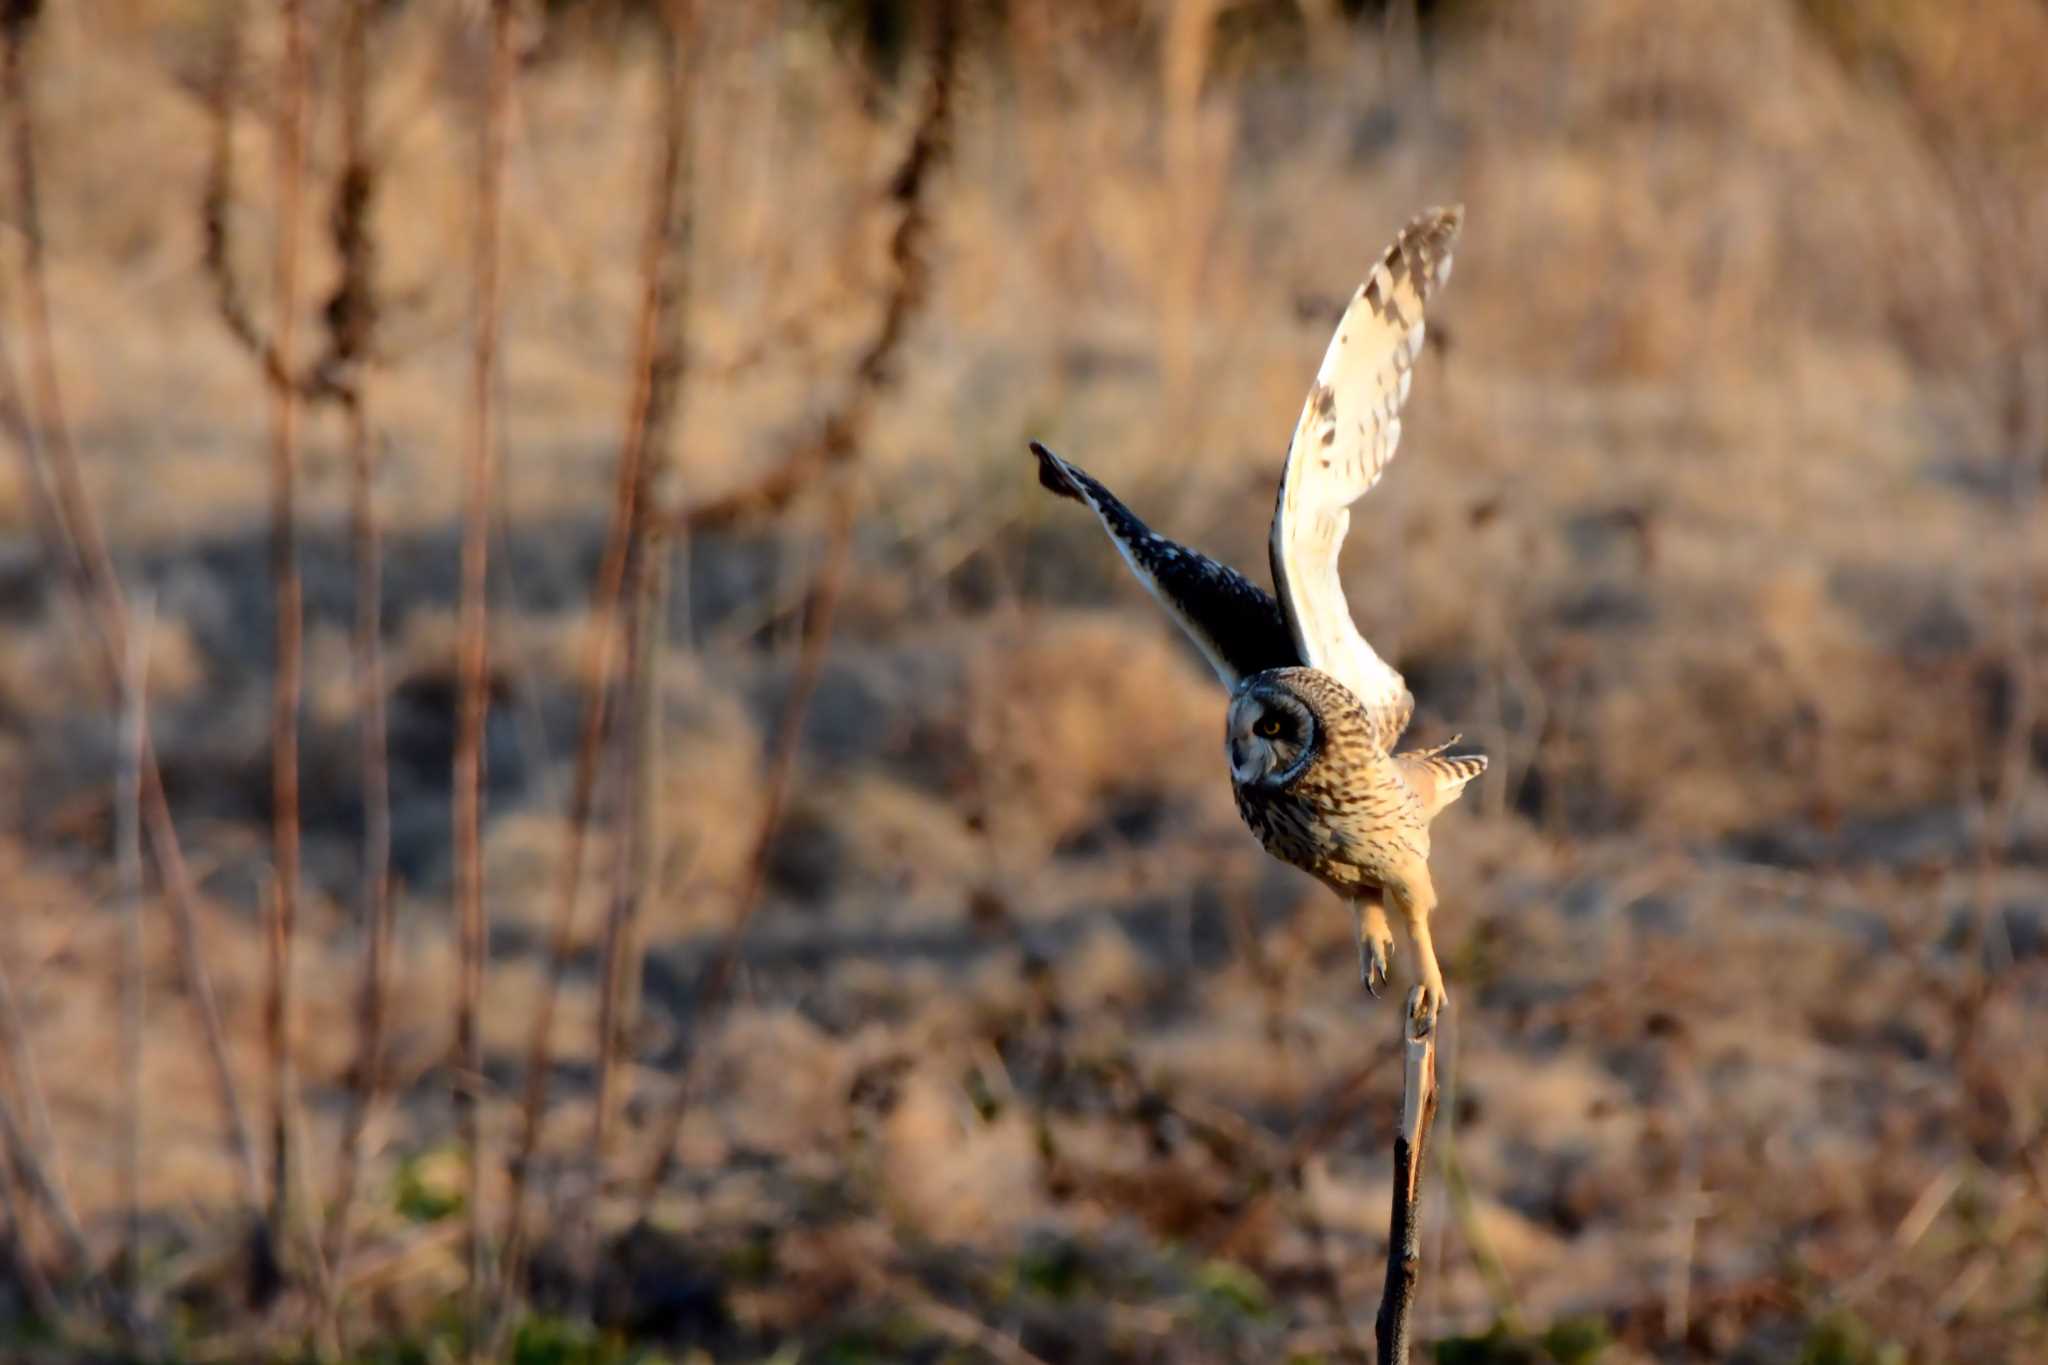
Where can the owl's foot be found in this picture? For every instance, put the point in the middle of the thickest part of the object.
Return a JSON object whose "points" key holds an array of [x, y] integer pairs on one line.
{"points": [[1427, 1001], [1422, 1015], [1375, 948], [1373, 956]]}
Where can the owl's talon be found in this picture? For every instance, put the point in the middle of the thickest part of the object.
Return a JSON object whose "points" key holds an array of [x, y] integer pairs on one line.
{"points": [[1375, 948], [1426, 1002]]}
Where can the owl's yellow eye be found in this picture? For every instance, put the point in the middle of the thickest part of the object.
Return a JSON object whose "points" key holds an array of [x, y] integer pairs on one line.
{"points": [[1269, 727]]}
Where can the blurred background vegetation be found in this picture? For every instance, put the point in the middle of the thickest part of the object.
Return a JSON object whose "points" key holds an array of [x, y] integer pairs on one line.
{"points": [[951, 1014]]}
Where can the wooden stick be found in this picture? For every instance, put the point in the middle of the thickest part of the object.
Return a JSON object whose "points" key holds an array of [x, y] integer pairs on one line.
{"points": [[1411, 1152]]}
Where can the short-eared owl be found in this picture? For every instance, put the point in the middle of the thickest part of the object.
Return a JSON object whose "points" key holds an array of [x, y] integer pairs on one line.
{"points": [[1314, 712]]}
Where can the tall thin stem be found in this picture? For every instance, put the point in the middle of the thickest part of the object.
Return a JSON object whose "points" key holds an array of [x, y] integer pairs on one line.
{"points": [[83, 553], [351, 316], [28, 1156], [284, 576], [837, 443], [657, 372], [826, 587], [42, 1299], [128, 858], [618, 1002], [473, 655]]}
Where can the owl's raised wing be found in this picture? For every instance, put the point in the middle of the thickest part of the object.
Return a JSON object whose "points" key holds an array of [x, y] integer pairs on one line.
{"points": [[1233, 621], [1348, 430]]}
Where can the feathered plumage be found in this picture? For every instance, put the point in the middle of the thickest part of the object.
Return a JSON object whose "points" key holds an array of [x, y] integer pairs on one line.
{"points": [[1315, 712]]}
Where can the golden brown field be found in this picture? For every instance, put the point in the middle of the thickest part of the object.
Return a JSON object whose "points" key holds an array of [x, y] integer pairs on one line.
{"points": [[913, 898]]}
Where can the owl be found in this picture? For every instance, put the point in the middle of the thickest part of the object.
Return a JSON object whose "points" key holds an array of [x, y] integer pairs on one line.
{"points": [[1314, 713]]}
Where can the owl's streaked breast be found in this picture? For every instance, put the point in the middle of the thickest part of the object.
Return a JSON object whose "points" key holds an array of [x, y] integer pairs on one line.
{"points": [[1349, 818]]}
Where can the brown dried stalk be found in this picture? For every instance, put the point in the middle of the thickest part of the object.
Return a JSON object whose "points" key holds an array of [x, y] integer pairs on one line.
{"points": [[34, 1152], [618, 1001], [350, 317], [18, 1066], [473, 657], [287, 684], [1411, 1154], [826, 588], [648, 600], [128, 859], [81, 552], [638, 753], [43, 513], [334, 377], [657, 374], [325, 379], [14, 1236], [839, 439]]}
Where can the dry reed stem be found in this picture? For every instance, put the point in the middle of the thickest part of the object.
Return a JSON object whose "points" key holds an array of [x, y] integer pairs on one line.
{"points": [[287, 684], [42, 501], [326, 379], [838, 440], [826, 588], [640, 740], [671, 239], [639, 743], [656, 378], [1392, 1328], [42, 1298], [1196, 147], [350, 316], [128, 859], [473, 658], [31, 1156], [18, 1066], [83, 552]]}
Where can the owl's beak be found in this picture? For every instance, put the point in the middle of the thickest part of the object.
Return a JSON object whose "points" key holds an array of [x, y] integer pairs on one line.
{"points": [[1246, 757]]}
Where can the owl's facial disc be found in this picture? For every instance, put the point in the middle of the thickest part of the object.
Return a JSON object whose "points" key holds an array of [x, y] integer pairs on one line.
{"points": [[1267, 737]]}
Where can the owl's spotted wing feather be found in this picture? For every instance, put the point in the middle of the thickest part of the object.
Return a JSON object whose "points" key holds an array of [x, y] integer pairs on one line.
{"points": [[1347, 434], [1235, 623]]}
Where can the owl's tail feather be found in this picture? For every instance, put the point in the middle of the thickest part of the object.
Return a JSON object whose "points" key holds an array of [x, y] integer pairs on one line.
{"points": [[1456, 771], [1442, 776]]}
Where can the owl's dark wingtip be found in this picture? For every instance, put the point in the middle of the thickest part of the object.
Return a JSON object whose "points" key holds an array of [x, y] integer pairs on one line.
{"points": [[1053, 474]]}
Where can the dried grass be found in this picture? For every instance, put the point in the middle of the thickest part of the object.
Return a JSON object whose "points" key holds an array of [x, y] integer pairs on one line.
{"points": [[1713, 528]]}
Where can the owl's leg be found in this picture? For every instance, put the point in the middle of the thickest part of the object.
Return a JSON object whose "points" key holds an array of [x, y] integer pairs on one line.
{"points": [[1375, 942], [1415, 898]]}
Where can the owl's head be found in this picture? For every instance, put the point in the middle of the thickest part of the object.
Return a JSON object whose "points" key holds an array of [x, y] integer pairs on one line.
{"points": [[1271, 733]]}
